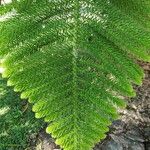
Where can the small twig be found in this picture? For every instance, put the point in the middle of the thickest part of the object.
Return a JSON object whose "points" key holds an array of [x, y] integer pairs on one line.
{"points": [[25, 108]]}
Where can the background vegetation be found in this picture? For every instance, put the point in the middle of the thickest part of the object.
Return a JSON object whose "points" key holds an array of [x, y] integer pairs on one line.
{"points": [[17, 122]]}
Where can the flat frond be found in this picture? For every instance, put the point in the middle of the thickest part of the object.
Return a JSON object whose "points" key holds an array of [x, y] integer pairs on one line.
{"points": [[75, 60]]}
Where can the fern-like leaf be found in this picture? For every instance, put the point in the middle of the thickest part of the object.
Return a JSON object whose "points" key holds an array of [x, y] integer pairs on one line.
{"points": [[75, 60]]}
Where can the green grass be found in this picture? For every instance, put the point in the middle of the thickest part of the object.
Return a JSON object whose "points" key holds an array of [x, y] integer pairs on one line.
{"points": [[17, 121]]}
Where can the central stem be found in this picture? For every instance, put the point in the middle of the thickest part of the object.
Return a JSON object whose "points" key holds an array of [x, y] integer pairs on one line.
{"points": [[75, 86]]}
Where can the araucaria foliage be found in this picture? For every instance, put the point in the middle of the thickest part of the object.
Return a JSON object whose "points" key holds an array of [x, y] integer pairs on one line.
{"points": [[75, 60]]}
